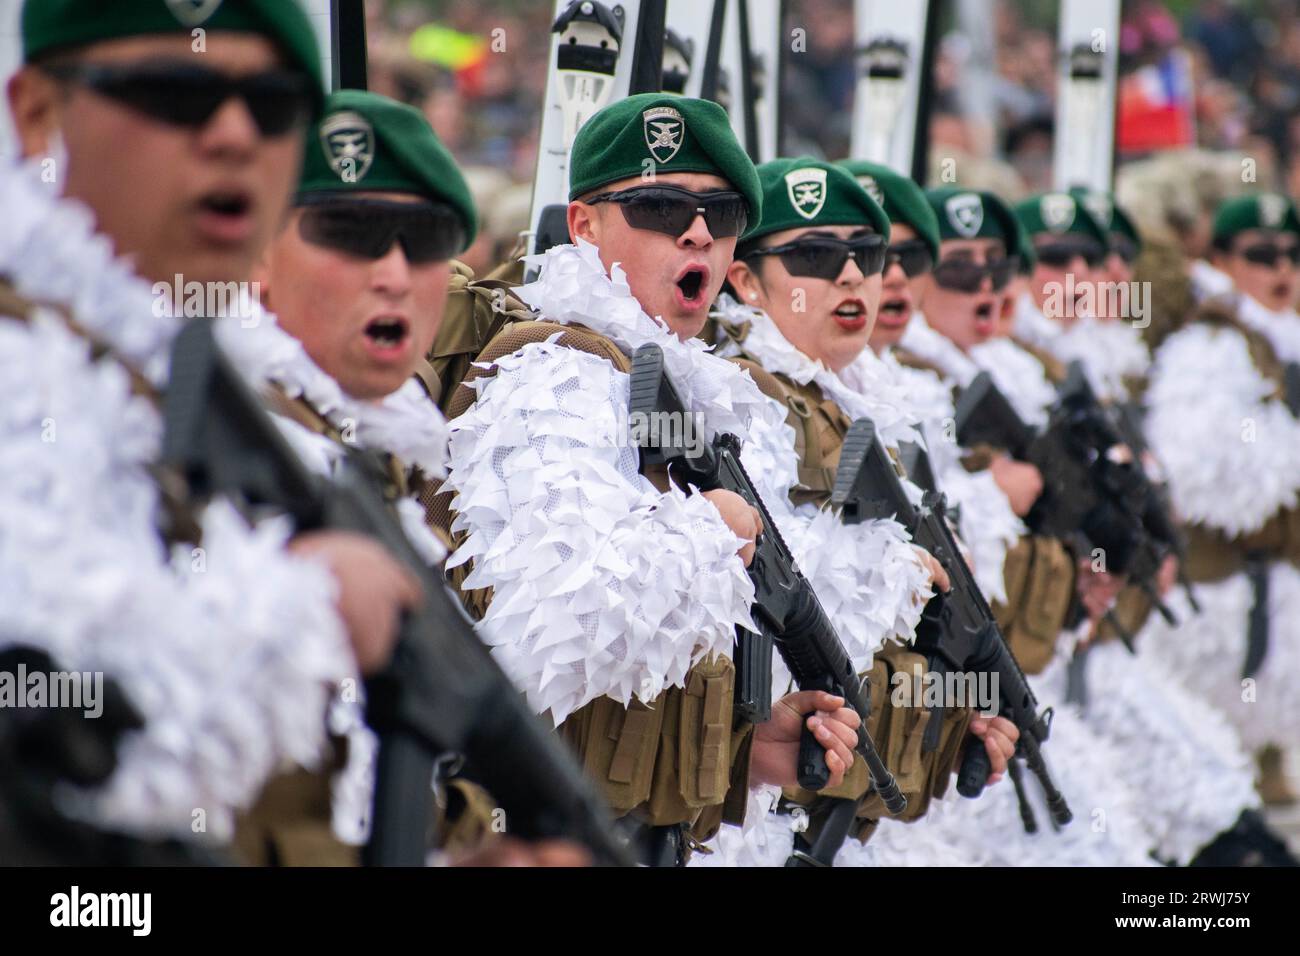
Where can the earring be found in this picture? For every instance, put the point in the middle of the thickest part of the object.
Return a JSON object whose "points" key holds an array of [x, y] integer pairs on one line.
{"points": [[753, 295]]}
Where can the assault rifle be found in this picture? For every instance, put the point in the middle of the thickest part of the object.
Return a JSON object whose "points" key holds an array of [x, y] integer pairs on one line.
{"points": [[442, 692], [957, 631], [786, 609], [1091, 495]]}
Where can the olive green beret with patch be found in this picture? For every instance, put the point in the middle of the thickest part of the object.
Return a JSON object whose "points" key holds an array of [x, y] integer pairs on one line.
{"points": [[1060, 214], [366, 142], [976, 214], [901, 198], [1256, 211], [1104, 209], [652, 133], [51, 26], [803, 192]]}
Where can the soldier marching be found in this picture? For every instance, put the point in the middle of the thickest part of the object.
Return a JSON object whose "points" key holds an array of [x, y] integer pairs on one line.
{"points": [[1140, 582]]}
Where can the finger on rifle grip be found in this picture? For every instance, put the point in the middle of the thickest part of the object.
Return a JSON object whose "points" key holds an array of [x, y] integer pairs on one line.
{"points": [[975, 769], [811, 769]]}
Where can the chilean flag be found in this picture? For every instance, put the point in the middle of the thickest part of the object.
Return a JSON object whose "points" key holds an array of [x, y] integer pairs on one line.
{"points": [[1157, 107]]}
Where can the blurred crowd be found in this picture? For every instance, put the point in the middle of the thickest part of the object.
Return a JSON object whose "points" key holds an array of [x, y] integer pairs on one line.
{"points": [[1214, 81]]}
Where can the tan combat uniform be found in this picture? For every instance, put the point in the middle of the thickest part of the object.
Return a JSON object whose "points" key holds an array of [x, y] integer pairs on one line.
{"points": [[681, 761], [922, 772]]}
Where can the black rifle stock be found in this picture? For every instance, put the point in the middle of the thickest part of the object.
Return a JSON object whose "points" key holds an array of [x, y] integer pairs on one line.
{"points": [[442, 692], [957, 632], [1090, 495], [786, 609]]}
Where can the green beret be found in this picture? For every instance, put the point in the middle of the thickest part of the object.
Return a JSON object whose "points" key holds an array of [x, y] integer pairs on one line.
{"points": [[367, 142], [49, 26], [1060, 214], [1111, 217], [1028, 258], [808, 192], [1256, 211], [664, 133], [901, 198], [976, 214]]}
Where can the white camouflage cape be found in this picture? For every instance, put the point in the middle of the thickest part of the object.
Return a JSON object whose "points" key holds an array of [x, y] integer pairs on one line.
{"points": [[231, 650], [406, 424], [1232, 454], [602, 584]]}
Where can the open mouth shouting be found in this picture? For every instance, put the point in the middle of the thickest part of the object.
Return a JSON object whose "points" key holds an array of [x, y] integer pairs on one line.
{"points": [[894, 311], [986, 320], [851, 315], [691, 288], [225, 216], [387, 338]]}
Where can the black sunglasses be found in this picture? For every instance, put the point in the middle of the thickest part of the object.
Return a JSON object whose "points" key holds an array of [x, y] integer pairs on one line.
{"points": [[966, 275], [1124, 247], [823, 257], [1270, 254], [1059, 255], [912, 254], [367, 228], [671, 210], [281, 101]]}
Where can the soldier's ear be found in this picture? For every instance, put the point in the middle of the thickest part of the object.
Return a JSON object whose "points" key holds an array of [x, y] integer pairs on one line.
{"points": [[584, 222], [749, 288], [36, 105]]}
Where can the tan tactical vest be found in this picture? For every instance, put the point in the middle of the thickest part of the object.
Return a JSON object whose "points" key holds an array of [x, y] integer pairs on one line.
{"points": [[820, 426], [683, 759]]}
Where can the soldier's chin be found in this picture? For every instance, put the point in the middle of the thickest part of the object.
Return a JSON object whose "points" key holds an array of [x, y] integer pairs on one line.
{"points": [[203, 264]]}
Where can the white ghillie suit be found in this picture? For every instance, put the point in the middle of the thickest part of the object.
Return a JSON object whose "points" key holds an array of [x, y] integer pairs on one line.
{"points": [[602, 585], [1231, 449], [405, 424], [230, 652], [866, 576], [1087, 769], [1113, 354], [1187, 761]]}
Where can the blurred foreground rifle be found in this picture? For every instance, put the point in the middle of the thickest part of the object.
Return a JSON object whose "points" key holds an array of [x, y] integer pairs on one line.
{"points": [[957, 631], [442, 692], [1092, 496], [46, 749], [786, 609]]}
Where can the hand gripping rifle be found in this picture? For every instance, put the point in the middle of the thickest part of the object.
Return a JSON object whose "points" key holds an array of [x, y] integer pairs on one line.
{"points": [[1090, 495], [957, 632], [442, 692], [786, 609]]}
